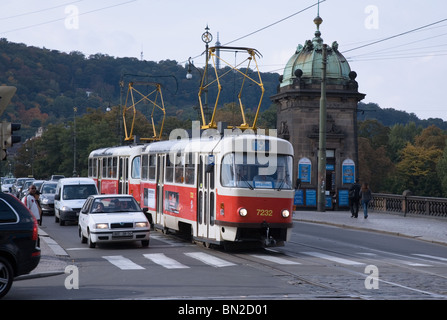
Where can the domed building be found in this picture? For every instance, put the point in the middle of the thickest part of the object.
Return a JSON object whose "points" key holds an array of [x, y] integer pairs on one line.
{"points": [[298, 117]]}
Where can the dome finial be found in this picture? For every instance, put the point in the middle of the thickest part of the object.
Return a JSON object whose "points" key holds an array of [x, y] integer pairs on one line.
{"points": [[318, 19]]}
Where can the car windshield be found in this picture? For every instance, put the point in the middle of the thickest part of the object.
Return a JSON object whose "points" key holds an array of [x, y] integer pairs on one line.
{"points": [[249, 171], [49, 188], [114, 205], [78, 191]]}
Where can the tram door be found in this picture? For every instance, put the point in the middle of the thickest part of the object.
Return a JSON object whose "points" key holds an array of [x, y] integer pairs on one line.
{"points": [[159, 194], [206, 199], [123, 176]]}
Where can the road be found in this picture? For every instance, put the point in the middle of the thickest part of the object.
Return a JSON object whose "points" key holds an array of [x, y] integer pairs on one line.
{"points": [[320, 262]]}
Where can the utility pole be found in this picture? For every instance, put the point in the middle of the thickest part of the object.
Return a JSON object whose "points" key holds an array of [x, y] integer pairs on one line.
{"points": [[321, 192]]}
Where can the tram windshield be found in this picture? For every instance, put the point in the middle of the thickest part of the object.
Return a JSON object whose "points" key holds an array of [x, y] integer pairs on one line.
{"points": [[250, 171]]}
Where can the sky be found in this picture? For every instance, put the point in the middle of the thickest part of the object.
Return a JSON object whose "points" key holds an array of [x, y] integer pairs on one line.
{"points": [[398, 48]]}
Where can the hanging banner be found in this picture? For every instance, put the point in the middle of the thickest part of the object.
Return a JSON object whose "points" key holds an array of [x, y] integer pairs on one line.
{"points": [[348, 171], [304, 170]]}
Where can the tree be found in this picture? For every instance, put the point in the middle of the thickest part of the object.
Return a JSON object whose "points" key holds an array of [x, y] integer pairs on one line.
{"points": [[417, 170]]}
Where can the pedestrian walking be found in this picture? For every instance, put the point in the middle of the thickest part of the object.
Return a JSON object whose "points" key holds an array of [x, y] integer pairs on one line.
{"points": [[365, 196], [354, 199]]}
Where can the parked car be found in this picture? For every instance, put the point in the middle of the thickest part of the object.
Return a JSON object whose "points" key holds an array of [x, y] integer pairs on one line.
{"points": [[56, 177], [70, 196], [112, 218], [47, 191], [19, 241], [7, 184]]}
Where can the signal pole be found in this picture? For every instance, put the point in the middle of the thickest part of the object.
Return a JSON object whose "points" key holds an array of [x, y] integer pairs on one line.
{"points": [[321, 192]]}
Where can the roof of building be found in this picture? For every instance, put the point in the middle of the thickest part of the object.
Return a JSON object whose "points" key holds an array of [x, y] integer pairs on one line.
{"points": [[306, 63]]}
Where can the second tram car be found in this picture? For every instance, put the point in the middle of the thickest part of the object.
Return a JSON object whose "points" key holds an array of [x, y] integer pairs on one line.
{"points": [[217, 189]]}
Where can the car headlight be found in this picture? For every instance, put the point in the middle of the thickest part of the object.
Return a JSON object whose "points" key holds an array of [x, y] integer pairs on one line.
{"points": [[66, 208], [242, 212], [285, 213], [44, 200], [101, 226], [141, 224]]}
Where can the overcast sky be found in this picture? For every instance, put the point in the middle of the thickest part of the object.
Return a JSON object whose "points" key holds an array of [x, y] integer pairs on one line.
{"points": [[397, 47]]}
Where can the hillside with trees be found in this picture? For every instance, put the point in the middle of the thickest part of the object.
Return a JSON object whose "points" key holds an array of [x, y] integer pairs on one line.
{"points": [[397, 151]]}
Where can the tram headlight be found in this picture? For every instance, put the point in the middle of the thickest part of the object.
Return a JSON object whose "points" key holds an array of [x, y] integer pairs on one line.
{"points": [[242, 212], [285, 213]]}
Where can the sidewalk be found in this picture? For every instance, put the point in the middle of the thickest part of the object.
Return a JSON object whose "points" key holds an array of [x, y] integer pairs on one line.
{"points": [[422, 228]]}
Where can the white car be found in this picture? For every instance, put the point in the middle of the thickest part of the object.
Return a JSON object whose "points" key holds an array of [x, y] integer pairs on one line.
{"points": [[112, 218], [7, 184]]}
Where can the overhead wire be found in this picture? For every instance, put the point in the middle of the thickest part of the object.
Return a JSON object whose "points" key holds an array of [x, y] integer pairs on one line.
{"points": [[62, 19]]}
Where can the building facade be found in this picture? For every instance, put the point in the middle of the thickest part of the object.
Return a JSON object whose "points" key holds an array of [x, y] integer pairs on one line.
{"points": [[298, 113]]}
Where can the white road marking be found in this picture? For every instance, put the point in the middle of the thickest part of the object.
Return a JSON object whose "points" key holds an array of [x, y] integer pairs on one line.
{"points": [[275, 259], [209, 259], [161, 259], [332, 258], [123, 263]]}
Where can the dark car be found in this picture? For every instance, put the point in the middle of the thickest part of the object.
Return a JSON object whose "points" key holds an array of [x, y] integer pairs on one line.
{"points": [[19, 241], [47, 192]]}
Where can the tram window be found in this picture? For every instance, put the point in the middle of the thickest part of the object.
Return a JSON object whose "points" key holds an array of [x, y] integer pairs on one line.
{"points": [[189, 168], [179, 174], [136, 168], [94, 167], [104, 167], [246, 172], [109, 168], [90, 165], [211, 208], [169, 176], [145, 167], [114, 167], [152, 167]]}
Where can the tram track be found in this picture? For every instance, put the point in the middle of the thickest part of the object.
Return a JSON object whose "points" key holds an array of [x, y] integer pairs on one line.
{"points": [[389, 262], [344, 282]]}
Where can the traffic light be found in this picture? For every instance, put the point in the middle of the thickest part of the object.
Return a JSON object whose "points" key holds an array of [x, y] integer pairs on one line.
{"points": [[7, 136]]}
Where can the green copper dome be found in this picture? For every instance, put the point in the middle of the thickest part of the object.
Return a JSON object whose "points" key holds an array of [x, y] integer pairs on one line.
{"points": [[308, 59]]}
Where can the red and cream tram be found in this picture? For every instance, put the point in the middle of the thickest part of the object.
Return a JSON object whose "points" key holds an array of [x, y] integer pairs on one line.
{"points": [[219, 189]]}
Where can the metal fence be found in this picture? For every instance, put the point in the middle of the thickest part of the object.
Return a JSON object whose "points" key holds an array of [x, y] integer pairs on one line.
{"points": [[409, 205]]}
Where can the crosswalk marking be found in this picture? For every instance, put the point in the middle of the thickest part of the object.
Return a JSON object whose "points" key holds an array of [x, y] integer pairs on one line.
{"points": [[430, 257], [274, 259], [209, 259], [161, 259], [169, 263], [332, 258], [123, 263]]}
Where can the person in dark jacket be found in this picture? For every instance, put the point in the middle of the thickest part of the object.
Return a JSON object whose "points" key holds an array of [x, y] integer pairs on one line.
{"points": [[365, 196], [354, 198]]}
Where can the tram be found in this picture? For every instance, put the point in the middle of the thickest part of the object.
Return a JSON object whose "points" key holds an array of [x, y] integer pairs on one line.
{"points": [[218, 189], [224, 185]]}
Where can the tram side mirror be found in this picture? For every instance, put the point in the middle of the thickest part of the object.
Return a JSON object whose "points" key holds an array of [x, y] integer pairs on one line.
{"points": [[298, 183], [209, 168]]}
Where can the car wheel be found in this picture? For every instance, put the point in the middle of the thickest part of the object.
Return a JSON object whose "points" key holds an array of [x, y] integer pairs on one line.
{"points": [[6, 276], [145, 243], [83, 239], [61, 222], [90, 243], [56, 219]]}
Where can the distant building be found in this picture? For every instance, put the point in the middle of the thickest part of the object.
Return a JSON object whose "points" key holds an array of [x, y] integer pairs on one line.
{"points": [[298, 106]]}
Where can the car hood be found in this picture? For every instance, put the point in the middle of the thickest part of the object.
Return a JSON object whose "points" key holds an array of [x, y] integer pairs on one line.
{"points": [[74, 204], [49, 196], [117, 217]]}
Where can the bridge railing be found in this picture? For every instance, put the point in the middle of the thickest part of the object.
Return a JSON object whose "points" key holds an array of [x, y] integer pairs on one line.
{"points": [[409, 205]]}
